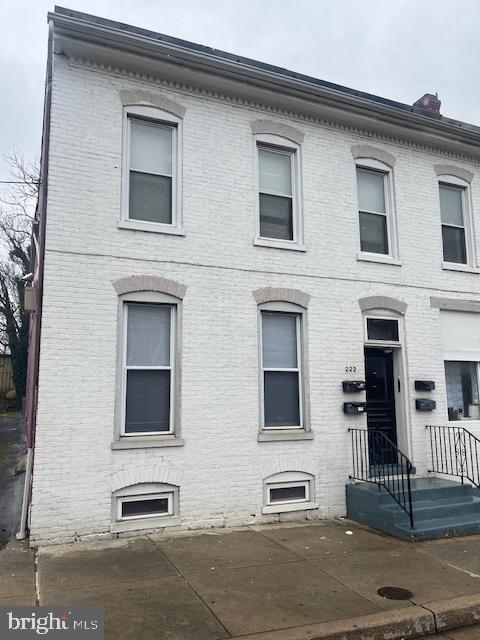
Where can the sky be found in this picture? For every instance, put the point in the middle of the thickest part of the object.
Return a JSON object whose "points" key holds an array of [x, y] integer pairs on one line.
{"points": [[398, 49]]}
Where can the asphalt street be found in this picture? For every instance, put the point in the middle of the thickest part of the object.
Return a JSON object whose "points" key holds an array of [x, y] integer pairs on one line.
{"points": [[12, 449]]}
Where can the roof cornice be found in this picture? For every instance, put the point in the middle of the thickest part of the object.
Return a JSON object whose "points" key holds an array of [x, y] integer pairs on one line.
{"points": [[171, 51]]}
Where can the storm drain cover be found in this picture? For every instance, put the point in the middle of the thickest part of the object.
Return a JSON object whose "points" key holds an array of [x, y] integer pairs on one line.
{"points": [[395, 593]]}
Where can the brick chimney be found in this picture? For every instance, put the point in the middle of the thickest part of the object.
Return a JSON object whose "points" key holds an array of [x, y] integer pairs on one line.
{"points": [[428, 103]]}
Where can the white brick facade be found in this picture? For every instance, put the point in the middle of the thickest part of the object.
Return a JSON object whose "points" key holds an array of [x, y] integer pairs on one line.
{"points": [[221, 466]]}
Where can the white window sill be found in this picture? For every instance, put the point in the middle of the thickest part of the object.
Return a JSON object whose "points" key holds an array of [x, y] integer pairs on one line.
{"points": [[152, 227], [454, 266], [279, 244], [285, 508], [147, 442], [378, 257], [144, 524], [284, 434]]}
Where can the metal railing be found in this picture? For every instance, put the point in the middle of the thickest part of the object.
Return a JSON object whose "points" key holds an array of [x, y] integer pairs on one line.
{"points": [[378, 460], [455, 452]]}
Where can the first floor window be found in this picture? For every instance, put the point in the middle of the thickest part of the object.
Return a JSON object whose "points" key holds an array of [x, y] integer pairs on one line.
{"points": [[276, 193], [373, 210], [148, 368], [462, 390], [452, 205], [281, 369], [150, 171]]}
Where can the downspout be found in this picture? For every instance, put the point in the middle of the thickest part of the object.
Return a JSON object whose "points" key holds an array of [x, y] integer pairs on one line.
{"points": [[35, 331]]}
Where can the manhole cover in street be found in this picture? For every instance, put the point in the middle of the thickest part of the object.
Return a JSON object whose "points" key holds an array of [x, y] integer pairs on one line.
{"points": [[395, 593]]}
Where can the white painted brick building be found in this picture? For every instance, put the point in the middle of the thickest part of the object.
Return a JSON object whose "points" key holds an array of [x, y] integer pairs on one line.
{"points": [[209, 266]]}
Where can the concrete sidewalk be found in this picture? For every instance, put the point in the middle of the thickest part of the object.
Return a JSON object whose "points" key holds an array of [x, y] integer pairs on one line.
{"points": [[282, 582]]}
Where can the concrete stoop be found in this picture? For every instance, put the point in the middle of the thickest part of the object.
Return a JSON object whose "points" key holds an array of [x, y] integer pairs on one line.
{"points": [[398, 624], [441, 508]]}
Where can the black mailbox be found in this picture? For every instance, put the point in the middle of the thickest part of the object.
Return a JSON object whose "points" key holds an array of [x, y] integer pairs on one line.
{"points": [[424, 404], [354, 407], [424, 385], [353, 386]]}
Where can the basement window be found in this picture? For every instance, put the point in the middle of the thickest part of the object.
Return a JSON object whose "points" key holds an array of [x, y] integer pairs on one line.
{"points": [[145, 506], [289, 491]]}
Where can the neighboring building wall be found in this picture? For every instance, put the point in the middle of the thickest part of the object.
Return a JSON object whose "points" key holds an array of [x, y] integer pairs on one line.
{"points": [[221, 466]]}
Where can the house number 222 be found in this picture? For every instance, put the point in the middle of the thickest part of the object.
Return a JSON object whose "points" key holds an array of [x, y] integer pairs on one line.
{"points": [[351, 369]]}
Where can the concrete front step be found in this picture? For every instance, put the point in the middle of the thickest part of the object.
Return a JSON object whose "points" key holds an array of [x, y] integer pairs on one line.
{"points": [[441, 508]]}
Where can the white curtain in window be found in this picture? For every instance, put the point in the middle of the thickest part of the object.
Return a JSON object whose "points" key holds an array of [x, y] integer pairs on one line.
{"points": [[371, 192], [148, 335], [275, 172], [279, 337], [150, 148], [461, 335]]}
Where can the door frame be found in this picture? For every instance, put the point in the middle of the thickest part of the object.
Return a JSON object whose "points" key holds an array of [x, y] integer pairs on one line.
{"points": [[400, 375]]}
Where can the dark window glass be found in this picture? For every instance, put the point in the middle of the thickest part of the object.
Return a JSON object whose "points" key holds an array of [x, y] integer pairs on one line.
{"points": [[144, 507], [373, 233], [281, 399], [379, 329], [454, 248], [148, 401], [150, 197], [276, 217], [282, 494]]}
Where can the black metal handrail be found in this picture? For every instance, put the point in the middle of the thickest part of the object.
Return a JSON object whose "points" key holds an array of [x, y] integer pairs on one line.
{"points": [[455, 452], [378, 460]]}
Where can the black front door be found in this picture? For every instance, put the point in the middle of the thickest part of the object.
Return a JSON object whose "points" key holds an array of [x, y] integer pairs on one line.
{"points": [[380, 404]]}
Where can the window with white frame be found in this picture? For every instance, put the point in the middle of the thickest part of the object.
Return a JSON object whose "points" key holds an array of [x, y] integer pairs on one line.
{"points": [[455, 227], [277, 193], [151, 189], [145, 505], [289, 491], [148, 368], [382, 330], [281, 361], [375, 209]]}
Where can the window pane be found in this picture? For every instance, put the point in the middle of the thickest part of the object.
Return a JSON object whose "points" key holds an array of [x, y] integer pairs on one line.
{"points": [[275, 172], [451, 205], [462, 390], [148, 401], [371, 190], [148, 335], [150, 148], [373, 233], [281, 399], [279, 340], [150, 198], [454, 249], [379, 329], [276, 219], [283, 494], [139, 508]]}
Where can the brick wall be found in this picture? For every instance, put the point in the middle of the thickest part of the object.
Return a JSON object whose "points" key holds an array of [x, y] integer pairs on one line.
{"points": [[221, 464]]}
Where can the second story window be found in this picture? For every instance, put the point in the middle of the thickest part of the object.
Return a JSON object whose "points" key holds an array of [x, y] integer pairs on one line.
{"points": [[151, 190], [373, 207], [276, 193], [454, 232]]}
